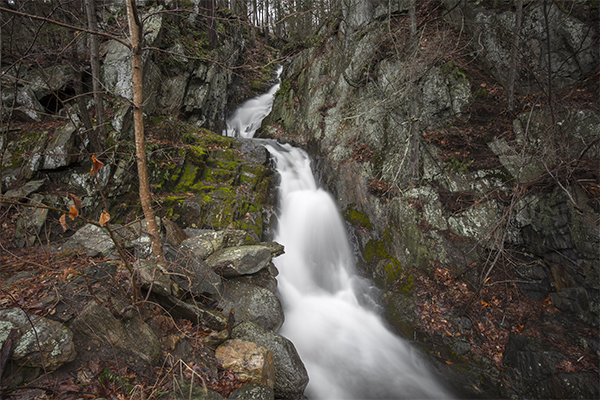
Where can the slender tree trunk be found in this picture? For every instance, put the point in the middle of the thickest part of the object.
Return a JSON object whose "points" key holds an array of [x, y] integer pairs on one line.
{"points": [[99, 129], [135, 30], [512, 74]]}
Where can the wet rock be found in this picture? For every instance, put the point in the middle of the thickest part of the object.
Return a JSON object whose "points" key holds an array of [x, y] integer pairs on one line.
{"points": [[96, 322], [42, 342], [242, 260], [252, 363], [253, 391], [291, 377], [253, 304]]}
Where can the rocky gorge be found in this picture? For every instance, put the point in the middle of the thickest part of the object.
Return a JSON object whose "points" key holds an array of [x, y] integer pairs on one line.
{"points": [[446, 198]]}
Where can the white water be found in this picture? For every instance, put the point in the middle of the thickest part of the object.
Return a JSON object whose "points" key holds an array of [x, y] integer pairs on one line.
{"points": [[248, 117], [346, 348]]}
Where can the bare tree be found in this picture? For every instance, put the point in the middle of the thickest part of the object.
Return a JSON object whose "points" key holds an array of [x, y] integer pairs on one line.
{"points": [[135, 31]]}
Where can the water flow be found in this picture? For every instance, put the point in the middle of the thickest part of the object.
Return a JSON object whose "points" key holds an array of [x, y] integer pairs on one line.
{"points": [[248, 117], [347, 349]]}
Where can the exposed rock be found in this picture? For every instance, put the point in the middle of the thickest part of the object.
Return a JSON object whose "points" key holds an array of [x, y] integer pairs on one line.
{"points": [[30, 224], [252, 363], [573, 54], [253, 391], [42, 343], [20, 193], [60, 152], [96, 322], [187, 389], [263, 278], [174, 234], [291, 377], [204, 244], [27, 107], [153, 277], [192, 274], [196, 312], [253, 304], [242, 260], [95, 240]]}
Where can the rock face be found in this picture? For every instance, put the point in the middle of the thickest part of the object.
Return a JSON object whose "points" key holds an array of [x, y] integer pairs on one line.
{"points": [[367, 116], [572, 53]]}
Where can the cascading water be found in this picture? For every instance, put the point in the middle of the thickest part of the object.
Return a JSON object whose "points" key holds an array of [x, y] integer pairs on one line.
{"points": [[346, 348], [247, 118]]}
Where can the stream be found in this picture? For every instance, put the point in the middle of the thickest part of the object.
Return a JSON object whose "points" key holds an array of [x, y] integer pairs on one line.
{"points": [[347, 349]]}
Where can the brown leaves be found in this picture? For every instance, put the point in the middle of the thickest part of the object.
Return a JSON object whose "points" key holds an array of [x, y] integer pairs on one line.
{"points": [[96, 165], [104, 218]]}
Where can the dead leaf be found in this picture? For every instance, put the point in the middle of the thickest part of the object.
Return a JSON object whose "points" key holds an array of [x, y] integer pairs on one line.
{"points": [[63, 222], [104, 218], [73, 212], [76, 201], [96, 165]]}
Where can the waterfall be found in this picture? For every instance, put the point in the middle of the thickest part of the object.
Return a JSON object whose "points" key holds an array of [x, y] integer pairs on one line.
{"points": [[247, 118], [346, 347]]}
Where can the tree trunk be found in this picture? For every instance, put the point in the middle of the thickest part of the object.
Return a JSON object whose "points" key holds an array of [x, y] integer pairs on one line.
{"points": [[135, 30], [99, 129], [512, 74]]}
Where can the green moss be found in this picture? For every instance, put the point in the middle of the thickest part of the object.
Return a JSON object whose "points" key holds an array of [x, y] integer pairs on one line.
{"points": [[451, 69], [356, 217]]}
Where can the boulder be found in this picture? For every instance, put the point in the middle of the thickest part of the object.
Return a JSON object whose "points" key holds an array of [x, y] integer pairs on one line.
{"points": [[252, 391], [61, 152], [252, 363], [192, 274], [253, 304], [153, 277], [93, 239], [241, 260], [42, 343], [193, 312], [291, 377], [96, 322], [204, 244], [31, 222]]}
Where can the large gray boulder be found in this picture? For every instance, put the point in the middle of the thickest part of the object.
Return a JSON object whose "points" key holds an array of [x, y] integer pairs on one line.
{"points": [[242, 260], [291, 377], [253, 304], [41, 343], [204, 244]]}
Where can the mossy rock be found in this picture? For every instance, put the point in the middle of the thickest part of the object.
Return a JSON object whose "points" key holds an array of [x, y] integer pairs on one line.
{"points": [[356, 217]]}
